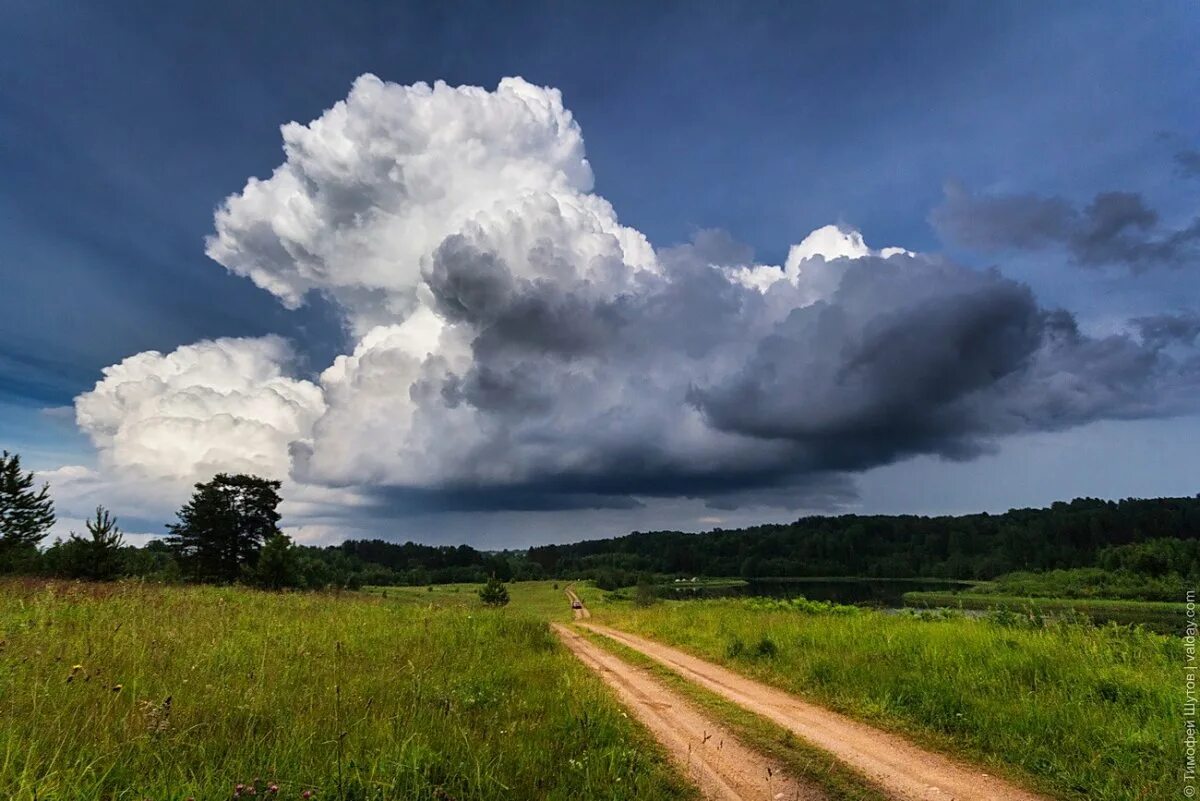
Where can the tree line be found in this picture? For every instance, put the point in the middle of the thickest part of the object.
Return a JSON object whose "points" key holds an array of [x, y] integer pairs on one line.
{"points": [[229, 532], [1065, 535]]}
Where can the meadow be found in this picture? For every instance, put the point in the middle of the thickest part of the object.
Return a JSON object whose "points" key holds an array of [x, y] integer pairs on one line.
{"points": [[1159, 616], [132, 691], [1078, 711]]}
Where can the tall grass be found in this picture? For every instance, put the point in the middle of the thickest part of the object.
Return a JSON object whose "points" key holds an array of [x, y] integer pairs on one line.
{"points": [[136, 692], [1083, 712]]}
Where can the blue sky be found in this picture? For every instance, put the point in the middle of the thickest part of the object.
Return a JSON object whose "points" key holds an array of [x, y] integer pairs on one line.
{"points": [[123, 126]]}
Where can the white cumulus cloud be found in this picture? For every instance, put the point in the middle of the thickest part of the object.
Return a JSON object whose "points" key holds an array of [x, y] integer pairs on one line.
{"points": [[223, 404]]}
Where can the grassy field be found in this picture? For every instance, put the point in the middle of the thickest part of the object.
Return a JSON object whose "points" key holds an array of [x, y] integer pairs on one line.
{"points": [[141, 692], [542, 600], [1162, 617], [1078, 711]]}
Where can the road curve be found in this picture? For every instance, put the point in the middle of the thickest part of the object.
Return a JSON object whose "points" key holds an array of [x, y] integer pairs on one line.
{"points": [[896, 766], [704, 750]]}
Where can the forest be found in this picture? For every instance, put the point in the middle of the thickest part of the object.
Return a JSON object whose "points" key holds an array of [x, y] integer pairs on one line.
{"points": [[230, 531]]}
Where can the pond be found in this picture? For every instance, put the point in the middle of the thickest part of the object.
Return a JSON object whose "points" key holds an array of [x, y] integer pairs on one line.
{"points": [[883, 593]]}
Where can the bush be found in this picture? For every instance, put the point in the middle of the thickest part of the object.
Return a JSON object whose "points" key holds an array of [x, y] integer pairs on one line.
{"points": [[766, 647], [494, 593]]}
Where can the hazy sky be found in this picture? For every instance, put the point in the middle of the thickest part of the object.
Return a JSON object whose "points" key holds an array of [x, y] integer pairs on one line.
{"points": [[590, 298]]}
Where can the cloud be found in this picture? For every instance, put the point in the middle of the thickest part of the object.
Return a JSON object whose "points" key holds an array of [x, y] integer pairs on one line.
{"points": [[1187, 163], [216, 405], [518, 348], [1161, 330], [1115, 228], [374, 186]]}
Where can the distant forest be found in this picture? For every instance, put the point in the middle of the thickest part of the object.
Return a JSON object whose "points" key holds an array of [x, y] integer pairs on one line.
{"points": [[1082, 533], [1156, 537], [1085, 532]]}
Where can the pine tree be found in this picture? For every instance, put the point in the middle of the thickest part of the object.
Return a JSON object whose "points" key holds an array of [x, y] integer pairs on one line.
{"points": [[278, 564], [104, 546], [224, 526], [494, 593], [26, 515]]}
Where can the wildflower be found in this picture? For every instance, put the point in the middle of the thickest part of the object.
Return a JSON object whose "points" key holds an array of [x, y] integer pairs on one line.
{"points": [[237, 790], [272, 788], [307, 794]]}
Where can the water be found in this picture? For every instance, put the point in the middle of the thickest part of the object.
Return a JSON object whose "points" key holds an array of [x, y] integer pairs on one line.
{"points": [[880, 593]]}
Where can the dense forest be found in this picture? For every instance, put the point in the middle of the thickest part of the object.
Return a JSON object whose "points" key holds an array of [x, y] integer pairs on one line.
{"points": [[977, 546]]}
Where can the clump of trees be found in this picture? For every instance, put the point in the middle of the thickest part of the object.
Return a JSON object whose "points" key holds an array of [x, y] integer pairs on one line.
{"points": [[222, 529]]}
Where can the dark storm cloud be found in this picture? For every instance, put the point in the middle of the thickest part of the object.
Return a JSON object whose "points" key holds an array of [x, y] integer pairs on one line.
{"points": [[909, 355], [1167, 329], [1115, 228], [1187, 163]]}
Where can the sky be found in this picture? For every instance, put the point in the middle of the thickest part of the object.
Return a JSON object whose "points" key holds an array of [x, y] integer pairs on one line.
{"points": [[457, 273]]}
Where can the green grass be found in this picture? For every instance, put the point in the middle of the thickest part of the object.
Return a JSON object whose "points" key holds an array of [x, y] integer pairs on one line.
{"points": [[1075, 710], [545, 600], [353, 696], [1159, 616], [1089, 582]]}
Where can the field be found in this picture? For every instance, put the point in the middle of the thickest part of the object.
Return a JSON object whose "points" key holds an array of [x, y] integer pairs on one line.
{"points": [[1078, 711], [132, 691], [129, 691], [1165, 618]]}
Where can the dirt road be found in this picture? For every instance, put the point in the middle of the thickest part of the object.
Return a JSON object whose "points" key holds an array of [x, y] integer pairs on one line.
{"points": [[899, 768], [581, 611], [706, 752]]}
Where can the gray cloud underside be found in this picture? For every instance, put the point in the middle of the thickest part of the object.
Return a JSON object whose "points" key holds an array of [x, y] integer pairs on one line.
{"points": [[1115, 228], [909, 355]]}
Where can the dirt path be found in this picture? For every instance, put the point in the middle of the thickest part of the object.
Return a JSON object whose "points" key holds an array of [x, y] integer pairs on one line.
{"points": [[706, 752], [581, 611], [898, 767]]}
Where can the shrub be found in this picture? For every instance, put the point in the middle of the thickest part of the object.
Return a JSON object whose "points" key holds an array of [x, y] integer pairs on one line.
{"points": [[494, 593], [766, 647]]}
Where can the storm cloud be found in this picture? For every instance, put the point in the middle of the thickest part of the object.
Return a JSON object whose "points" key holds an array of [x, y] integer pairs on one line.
{"points": [[1115, 228], [517, 347]]}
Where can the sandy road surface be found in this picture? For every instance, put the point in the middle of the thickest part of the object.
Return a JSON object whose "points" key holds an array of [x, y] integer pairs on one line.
{"points": [[581, 613], [899, 768], [706, 752]]}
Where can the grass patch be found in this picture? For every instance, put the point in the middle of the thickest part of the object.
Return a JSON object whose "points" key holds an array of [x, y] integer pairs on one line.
{"points": [[1083, 712], [125, 691], [1159, 616]]}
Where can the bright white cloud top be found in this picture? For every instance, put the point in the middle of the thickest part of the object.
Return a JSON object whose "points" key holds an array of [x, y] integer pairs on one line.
{"points": [[517, 347]]}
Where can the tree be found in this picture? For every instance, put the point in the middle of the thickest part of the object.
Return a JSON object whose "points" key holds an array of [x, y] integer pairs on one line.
{"points": [[104, 547], [278, 564], [644, 595], [25, 514], [224, 526], [494, 593], [97, 556]]}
